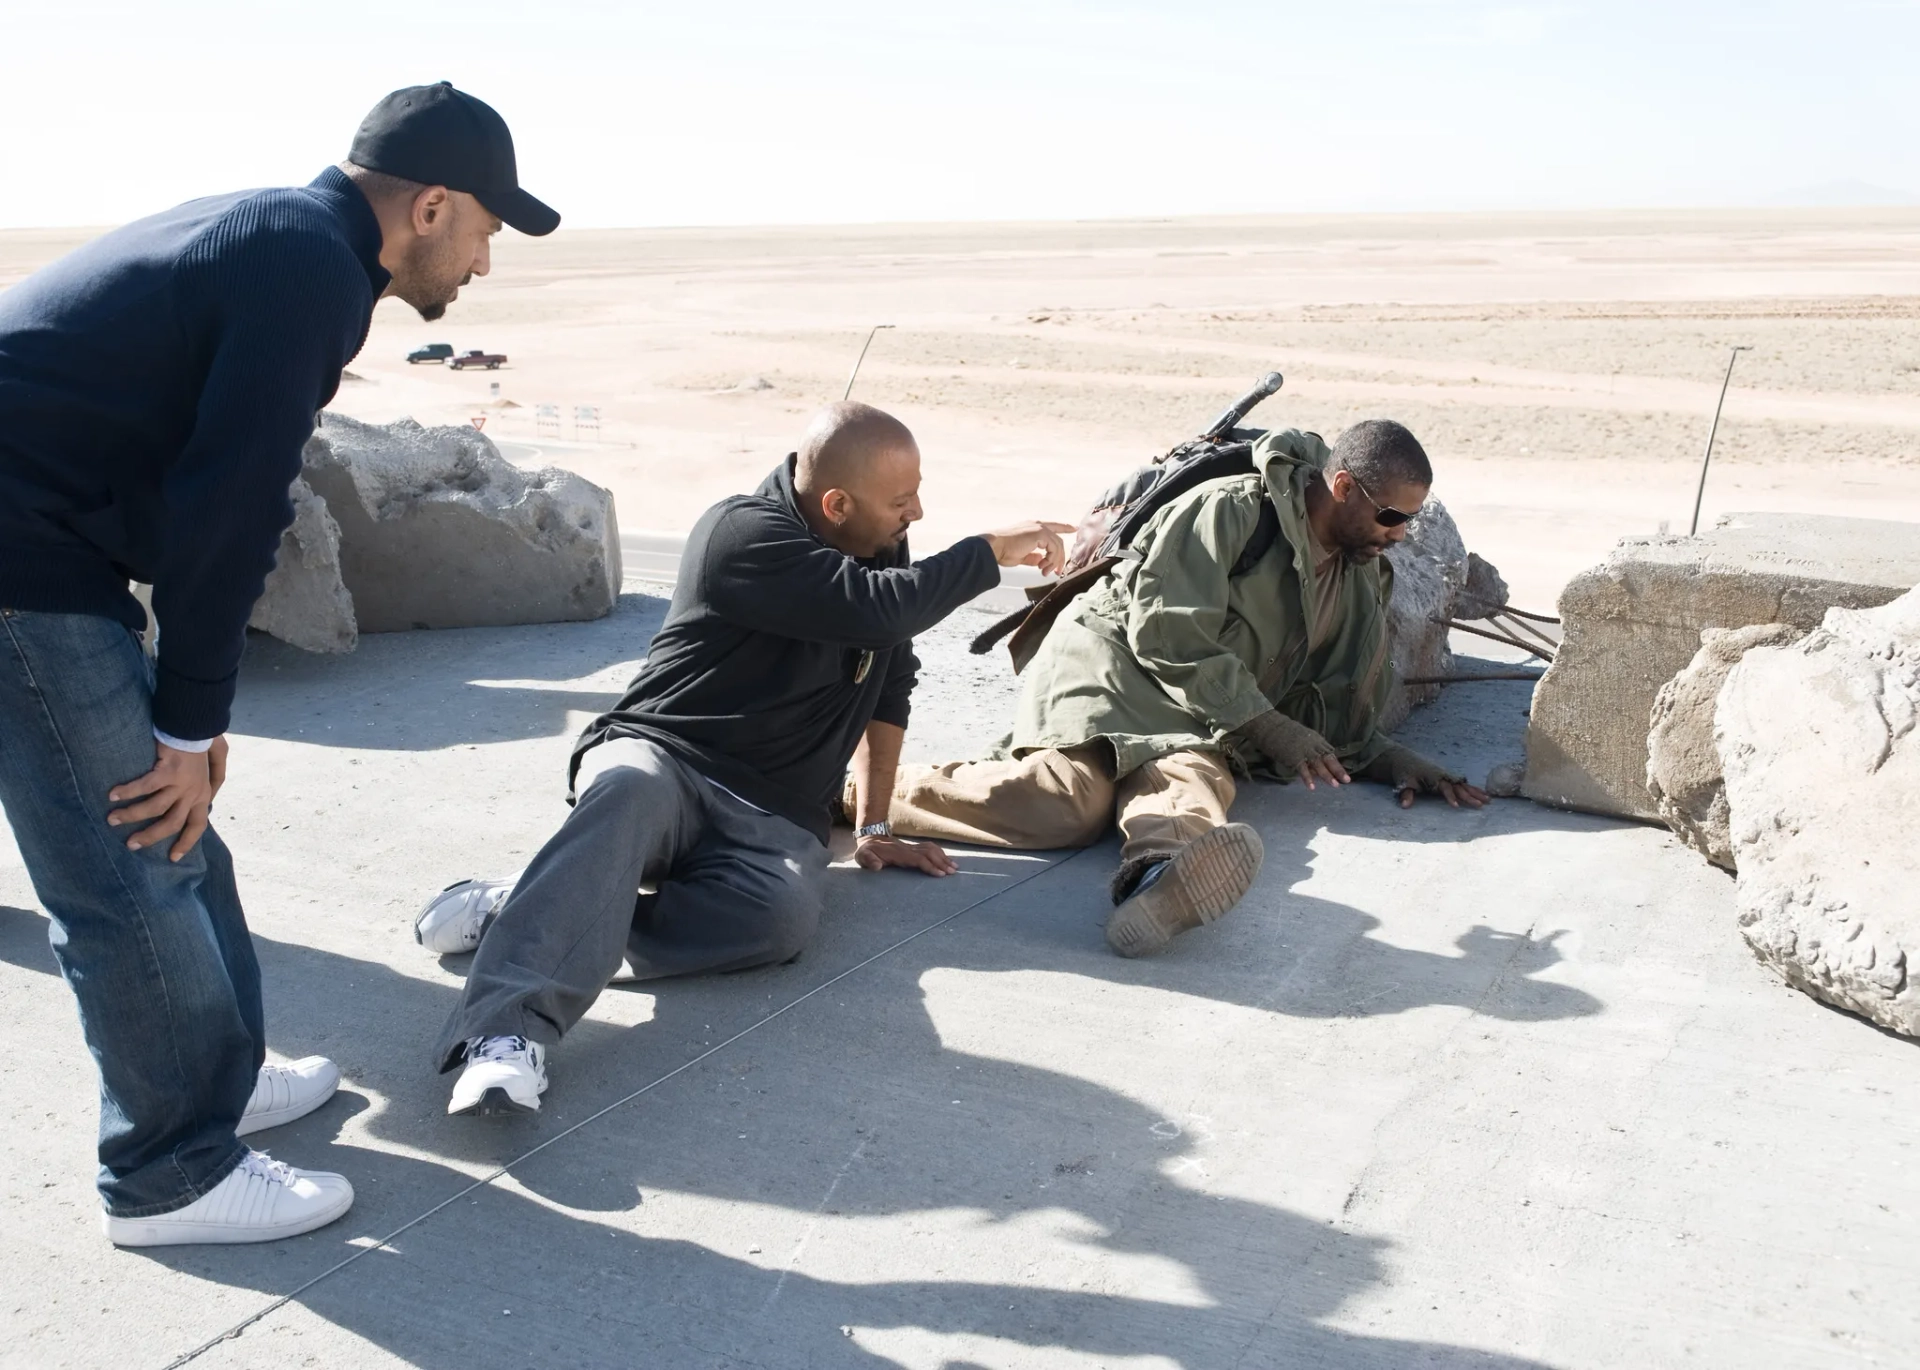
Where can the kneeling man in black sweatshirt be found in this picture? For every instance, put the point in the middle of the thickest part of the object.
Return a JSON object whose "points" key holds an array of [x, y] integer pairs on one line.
{"points": [[786, 654]]}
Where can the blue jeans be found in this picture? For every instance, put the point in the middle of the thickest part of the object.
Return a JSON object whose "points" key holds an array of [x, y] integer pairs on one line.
{"points": [[157, 952]]}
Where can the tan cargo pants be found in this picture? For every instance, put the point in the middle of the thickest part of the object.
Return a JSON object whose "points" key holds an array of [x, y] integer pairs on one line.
{"points": [[1064, 798]]}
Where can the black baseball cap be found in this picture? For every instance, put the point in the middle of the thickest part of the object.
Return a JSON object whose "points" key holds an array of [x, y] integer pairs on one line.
{"points": [[440, 136]]}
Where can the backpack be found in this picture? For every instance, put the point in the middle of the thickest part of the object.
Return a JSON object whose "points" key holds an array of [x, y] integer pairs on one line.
{"points": [[1106, 533]]}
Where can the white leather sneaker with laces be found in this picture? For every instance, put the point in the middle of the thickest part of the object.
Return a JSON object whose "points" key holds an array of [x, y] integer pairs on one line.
{"points": [[503, 1075], [285, 1092], [261, 1200], [454, 919]]}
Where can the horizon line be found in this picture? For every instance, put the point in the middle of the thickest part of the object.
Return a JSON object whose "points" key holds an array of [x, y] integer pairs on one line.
{"points": [[1908, 207]]}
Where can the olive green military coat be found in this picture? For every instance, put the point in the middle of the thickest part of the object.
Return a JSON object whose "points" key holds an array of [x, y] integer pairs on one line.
{"points": [[1169, 653]]}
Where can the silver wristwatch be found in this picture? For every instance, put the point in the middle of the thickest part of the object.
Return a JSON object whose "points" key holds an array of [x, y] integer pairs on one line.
{"points": [[873, 830]]}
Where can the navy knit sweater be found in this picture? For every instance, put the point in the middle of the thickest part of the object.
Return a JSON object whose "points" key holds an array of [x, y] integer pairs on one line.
{"points": [[156, 387]]}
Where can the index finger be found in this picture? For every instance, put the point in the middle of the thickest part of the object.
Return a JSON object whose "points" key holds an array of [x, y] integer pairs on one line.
{"points": [[1056, 527], [134, 789]]}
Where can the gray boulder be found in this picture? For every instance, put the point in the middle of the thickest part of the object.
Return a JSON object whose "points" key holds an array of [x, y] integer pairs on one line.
{"points": [[1822, 765], [1683, 765], [1485, 591], [306, 602], [438, 530], [1429, 575]]}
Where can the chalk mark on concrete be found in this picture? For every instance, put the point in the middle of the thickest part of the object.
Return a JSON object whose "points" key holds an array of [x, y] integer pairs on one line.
{"points": [[813, 1225]]}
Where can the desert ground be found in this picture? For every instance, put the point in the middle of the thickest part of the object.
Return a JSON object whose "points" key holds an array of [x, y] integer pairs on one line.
{"points": [[1562, 369], [1496, 1090]]}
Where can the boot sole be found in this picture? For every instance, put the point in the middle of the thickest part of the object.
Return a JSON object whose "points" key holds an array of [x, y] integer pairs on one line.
{"points": [[157, 1232], [1209, 876], [493, 1103]]}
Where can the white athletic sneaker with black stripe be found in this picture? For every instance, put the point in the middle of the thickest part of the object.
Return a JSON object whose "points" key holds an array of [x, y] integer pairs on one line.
{"points": [[502, 1075], [285, 1092], [455, 919], [261, 1200]]}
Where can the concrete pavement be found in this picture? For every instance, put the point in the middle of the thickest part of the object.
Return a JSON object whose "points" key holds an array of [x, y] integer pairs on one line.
{"points": [[1454, 1089]]}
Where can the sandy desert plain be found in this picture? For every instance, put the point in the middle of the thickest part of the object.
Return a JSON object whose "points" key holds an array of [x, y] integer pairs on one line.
{"points": [[1561, 368]]}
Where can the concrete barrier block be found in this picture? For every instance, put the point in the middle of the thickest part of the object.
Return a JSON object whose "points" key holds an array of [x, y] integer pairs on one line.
{"points": [[1633, 622]]}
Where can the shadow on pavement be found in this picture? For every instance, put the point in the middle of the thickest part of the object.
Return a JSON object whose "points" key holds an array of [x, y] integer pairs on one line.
{"points": [[848, 1110], [427, 690], [825, 1116]]}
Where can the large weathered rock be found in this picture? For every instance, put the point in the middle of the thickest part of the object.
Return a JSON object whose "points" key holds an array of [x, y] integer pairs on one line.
{"points": [[1485, 591], [438, 530], [1631, 623], [1683, 765], [1429, 574], [1822, 767], [306, 603]]}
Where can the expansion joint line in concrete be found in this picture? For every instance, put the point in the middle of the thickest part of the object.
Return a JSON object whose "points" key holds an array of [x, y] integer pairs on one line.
{"points": [[277, 1304]]}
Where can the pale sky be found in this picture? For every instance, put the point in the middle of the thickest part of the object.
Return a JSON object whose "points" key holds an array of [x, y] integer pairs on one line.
{"points": [[755, 112]]}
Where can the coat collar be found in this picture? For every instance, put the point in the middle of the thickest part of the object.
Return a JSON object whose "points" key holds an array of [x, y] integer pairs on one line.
{"points": [[342, 197]]}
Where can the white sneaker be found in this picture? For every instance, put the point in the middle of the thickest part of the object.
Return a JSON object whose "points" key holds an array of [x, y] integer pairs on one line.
{"points": [[260, 1201], [503, 1075], [283, 1093], [454, 919]]}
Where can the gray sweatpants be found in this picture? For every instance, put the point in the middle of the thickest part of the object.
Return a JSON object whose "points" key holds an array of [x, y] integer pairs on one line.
{"points": [[736, 888]]}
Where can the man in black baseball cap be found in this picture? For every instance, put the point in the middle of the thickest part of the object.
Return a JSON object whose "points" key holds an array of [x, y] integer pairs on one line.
{"points": [[437, 166], [156, 389], [436, 135]]}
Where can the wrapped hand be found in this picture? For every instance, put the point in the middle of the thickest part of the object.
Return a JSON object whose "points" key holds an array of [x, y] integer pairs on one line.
{"points": [[1410, 774], [1292, 747]]}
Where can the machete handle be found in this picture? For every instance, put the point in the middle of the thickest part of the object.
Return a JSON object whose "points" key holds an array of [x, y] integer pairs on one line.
{"points": [[1240, 408]]}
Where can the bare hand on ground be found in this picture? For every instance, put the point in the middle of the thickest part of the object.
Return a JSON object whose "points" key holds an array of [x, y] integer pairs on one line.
{"points": [[1455, 792], [178, 791], [877, 853], [1031, 544]]}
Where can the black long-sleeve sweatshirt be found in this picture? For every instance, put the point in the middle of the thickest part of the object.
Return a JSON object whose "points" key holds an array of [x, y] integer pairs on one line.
{"points": [[778, 650], [156, 387]]}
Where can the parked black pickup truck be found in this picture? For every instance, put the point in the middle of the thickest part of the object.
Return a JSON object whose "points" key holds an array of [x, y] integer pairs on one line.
{"points": [[432, 352], [467, 360]]}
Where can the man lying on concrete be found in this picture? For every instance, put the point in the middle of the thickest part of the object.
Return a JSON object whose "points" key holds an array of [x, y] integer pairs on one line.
{"points": [[786, 653], [1172, 674], [156, 388]]}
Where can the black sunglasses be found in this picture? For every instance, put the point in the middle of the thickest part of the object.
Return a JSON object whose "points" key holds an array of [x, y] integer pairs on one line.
{"points": [[1383, 514]]}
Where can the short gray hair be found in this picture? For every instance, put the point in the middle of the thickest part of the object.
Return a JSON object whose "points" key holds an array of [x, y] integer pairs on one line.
{"points": [[378, 185]]}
